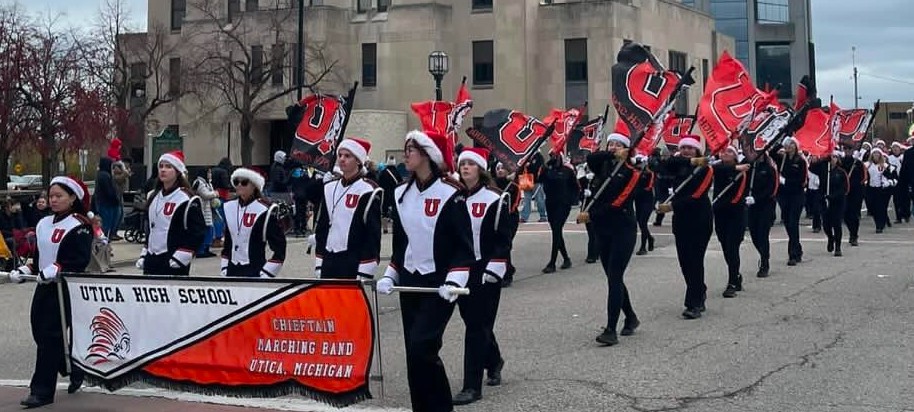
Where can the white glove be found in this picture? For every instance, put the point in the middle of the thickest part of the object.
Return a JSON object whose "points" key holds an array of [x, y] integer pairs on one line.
{"points": [[489, 278], [263, 275], [312, 241], [587, 193], [327, 177], [140, 262], [385, 286], [782, 180], [750, 200], [180, 259], [16, 276], [447, 293], [224, 272], [589, 176]]}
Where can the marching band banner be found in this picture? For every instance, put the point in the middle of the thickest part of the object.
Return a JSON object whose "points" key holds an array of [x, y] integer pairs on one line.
{"points": [[236, 337]]}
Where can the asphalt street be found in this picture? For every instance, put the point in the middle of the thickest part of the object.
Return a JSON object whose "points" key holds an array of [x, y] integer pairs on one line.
{"points": [[832, 334]]}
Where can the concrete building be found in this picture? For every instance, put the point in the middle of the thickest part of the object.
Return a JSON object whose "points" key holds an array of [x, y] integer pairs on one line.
{"points": [[773, 38], [894, 121], [529, 55]]}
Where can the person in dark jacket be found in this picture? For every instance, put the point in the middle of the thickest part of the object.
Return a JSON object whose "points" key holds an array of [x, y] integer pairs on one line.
{"points": [[534, 166], [794, 173], [692, 221], [730, 182], [834, 195], [663, 183], [38, 211], [561, 189], [298, 184], [107, 202], [388, 179], [858, 179], [644, 205], [223, 185], [906, 178], [279, 177], [505, 181]]}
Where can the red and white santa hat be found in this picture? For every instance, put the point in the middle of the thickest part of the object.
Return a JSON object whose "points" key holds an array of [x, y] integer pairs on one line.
{"points": [[691, 141], [476, 155], [176, 159], [358, 147], [76, 186], [621, 134], [436, 145], [243, 173]]}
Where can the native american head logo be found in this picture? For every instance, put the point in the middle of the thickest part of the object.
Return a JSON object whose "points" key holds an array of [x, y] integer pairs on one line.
{"points": [[110, 338]]}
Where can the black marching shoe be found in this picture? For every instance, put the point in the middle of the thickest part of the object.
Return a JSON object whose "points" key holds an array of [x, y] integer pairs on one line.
{"points": [[608, 337], [691, 313], [816, 230], [791, 262], [731, 290], [35, 402], [75, 384], [762, 269], [550, 268], [566, 263], [831, 245], [641, 252], [466, 397], [590, 260], [838, 252], [494, 374], [650, 244], [853, 241], [628, 329]]}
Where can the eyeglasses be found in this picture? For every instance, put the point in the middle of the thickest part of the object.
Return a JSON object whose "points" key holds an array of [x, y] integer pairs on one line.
{"points": [[410, 148], [241, 182]]}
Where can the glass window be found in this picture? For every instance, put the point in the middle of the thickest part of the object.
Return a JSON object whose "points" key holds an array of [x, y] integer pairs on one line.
{"points": [[729, 10], [772, 11], [576, 60], [482, 4], [383, 5], [369, 65], [483, 63], [178, 10], [256, 64], [773, 68], [251, 5], [362, 6], [234, 9], [278, 52], [678, 62], [174, 76]]}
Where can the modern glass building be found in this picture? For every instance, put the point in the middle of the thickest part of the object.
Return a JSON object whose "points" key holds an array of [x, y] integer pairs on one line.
{"points": [[773, 38]]}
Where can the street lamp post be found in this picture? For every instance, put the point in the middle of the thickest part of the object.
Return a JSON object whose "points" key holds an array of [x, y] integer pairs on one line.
{"points": [[438, 67]]}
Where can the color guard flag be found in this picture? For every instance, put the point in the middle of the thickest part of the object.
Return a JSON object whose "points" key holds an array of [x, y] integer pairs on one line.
{"points": [[508, 134]]}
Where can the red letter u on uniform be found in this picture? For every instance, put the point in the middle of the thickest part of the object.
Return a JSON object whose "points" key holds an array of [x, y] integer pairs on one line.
{"points": [[431, 207]]}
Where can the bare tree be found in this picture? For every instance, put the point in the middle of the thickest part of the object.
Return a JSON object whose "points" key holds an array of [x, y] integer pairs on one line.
{"points": [[233, 70], [16, 126]]}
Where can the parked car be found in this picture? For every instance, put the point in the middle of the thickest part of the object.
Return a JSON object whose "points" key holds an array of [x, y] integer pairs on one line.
{"points": [[24, 182]]}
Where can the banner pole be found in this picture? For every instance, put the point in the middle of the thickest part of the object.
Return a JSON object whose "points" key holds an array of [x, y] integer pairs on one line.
{"points": [[63, 326], [377, 323]]}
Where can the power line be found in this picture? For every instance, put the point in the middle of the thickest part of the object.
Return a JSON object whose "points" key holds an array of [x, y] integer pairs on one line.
{"points": [[887, 78]]}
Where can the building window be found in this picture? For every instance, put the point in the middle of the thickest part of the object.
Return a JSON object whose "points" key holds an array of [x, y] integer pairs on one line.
{"points": [[732, 18], [362, 6], [772, 11], [576, 60], [383, 5], [296, 71], [369, 64], [482, 4], [251, 5], [173, 129], [178, 10], [174, 77], [678, 62], [278, 52], [898, 116], [137, 72], [483, 63], [234, 9], [705, 72], [773, 68], [256, 64]]}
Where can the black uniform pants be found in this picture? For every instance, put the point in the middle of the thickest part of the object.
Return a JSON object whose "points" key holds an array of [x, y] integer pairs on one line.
{"points": [[814, 207], [831, 219], [593, 246], [479, 310], [852, 212], [661, 194], [159, 265], [730, 227], [879, 205], [902, 202], [617, 242], [692, 229], [791, 209], [761, 219], [301, 215], [558, 214], [644, 205], [425, 317], [47, 333], [342, 265]]}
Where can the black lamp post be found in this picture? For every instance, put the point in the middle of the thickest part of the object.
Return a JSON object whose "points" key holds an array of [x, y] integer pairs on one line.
{"points": [[438, 67]]}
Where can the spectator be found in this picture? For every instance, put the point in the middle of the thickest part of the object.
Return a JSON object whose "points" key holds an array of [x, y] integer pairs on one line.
{"points": [[11, 219], [534, 166], [203, 188], [223, 185], [279, 177], [298, 184], [120, 172], [38, 211], [105, 197], [100, 261]]}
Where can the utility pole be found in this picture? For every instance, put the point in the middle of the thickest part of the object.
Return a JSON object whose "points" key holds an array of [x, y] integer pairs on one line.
{"points": [[854, 60], [299, 60]]}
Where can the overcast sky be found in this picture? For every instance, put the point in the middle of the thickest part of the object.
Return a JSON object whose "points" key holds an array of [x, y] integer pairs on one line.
{"points": [[880, 29]]}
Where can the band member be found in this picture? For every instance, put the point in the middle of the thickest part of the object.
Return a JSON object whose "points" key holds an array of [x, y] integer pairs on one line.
{"points": [[64, 246], [388, 180], [348, 232], [584, 179], [814, 200], [858, 179], [692, 221], [834, 196], [883, 178], [730, 183], [613, 219], [505, 181], [644, 205], [176, 224], [663, 185], [492, 228], [251, 225], [764, 184], [793, 171], [561, 188], [901, 197], [432, 247]]}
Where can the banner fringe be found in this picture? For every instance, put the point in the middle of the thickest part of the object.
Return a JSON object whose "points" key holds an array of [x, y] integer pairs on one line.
{"points": [[249, 391]]}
